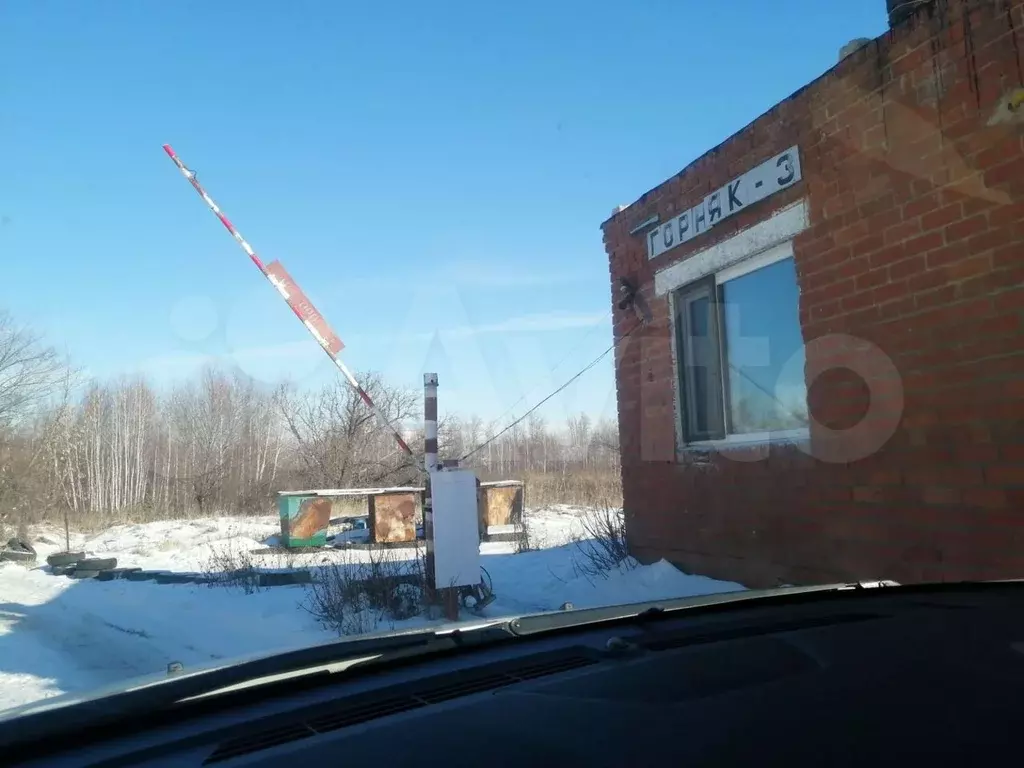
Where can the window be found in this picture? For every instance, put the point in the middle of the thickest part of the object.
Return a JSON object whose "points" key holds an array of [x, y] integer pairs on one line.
{"points": [[740, 351]]}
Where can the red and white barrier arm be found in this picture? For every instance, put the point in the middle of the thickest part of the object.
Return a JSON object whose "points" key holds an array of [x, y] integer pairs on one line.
{"points": [[296, 299]]}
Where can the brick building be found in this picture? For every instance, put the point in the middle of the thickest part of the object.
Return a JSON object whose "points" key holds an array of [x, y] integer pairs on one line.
{"points": [[830, 381]]}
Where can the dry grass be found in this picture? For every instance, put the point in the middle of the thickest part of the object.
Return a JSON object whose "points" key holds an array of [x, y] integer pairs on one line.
{"points": [[524, 540], [590, 488], [352, 597], [90, 521], [530, 538], [232, 565], [349, 507], [601, 546]]}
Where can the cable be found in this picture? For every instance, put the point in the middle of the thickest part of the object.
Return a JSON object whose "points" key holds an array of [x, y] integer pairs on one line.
{"points": [[586, 368], [590, 365], [558, 365], [772, 395], [908, 4]]}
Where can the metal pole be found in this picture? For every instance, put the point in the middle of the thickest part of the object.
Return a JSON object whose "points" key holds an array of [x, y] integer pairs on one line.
{"points": [[313, 321], [430, 465], [430, 422], [436, 593]]}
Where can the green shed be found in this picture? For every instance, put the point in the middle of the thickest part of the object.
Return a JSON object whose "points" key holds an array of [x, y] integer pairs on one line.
{"points": [[305, 518]]}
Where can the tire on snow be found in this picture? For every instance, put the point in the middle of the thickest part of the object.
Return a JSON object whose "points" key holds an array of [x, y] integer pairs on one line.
{"points": [[62, 559], [97, 564]]}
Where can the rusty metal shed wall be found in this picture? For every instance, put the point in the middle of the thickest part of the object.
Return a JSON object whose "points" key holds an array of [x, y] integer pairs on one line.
{"points": [[393, 517], [500, 504]]}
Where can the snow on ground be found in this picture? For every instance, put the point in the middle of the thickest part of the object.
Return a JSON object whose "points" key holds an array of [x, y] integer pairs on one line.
{"points": [[60, 635]]}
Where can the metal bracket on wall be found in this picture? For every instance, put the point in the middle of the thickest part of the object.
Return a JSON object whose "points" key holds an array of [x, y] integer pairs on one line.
{"points": [[631, 297], [1010, 109], [650, 221]]}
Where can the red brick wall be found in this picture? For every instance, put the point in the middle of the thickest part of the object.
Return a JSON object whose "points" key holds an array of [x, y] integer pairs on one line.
{"points": [[916, 244]]}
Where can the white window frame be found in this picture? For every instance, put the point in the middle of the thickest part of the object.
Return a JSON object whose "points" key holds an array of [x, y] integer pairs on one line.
{"points": [[740, 268]]}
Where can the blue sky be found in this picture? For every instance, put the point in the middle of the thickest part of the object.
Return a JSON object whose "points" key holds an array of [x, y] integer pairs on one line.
{"points": [[432, 174]]}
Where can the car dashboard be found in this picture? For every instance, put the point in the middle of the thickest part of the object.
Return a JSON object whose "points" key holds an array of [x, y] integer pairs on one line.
{"points": [[875, 678]]}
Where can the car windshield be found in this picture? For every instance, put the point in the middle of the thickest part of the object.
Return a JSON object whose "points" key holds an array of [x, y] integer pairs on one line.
{"points": [[322, 320]]}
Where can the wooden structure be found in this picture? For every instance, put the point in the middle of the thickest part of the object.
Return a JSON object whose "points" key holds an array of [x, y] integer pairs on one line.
{"points": [[393, 514], [500, 506]]}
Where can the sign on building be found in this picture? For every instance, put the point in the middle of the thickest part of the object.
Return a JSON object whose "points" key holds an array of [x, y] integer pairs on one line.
{"points": [[766, 179]]}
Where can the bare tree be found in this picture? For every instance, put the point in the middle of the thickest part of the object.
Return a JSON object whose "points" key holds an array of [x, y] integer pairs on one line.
{"points": [[206, 421], [338, 441], [220, 443], [30, 371]]}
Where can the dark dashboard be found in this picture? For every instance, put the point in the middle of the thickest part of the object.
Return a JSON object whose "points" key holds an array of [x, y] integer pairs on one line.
{"points": [[876, 677]]}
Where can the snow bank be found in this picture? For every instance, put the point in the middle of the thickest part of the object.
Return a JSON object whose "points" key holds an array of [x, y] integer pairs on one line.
{"points": [[60, 635], [72, 635], [532, 582]]}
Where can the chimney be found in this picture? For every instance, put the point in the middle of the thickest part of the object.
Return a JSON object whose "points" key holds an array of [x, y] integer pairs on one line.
{"points": [[853, 46]]}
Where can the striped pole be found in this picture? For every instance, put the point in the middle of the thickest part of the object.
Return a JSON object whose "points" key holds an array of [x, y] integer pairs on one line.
{"points": [[430, 422], [436, 593], [303, 308], [430, 465]]}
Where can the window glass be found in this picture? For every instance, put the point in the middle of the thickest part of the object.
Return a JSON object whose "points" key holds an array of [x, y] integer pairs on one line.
{"points": [[762, 332], [699, 315]]}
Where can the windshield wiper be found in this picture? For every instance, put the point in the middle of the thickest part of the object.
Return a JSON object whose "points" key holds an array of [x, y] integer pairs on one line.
{"points": [[656, 609], [547, 622]]}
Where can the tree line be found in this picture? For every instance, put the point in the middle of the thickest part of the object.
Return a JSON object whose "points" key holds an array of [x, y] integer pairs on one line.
{"points": [[221, 443]]}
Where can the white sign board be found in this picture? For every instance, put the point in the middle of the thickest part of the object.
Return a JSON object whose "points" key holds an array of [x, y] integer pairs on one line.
{"points": [[456, 528], [769, 177]]}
